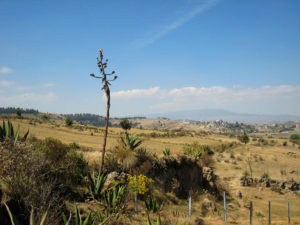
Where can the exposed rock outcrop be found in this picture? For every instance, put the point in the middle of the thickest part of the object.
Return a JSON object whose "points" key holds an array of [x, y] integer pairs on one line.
{"points": [[290, 185], [182, 175]]}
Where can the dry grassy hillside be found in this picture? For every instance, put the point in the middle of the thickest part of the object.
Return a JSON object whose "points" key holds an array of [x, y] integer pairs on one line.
{"points": [[278, 161]]}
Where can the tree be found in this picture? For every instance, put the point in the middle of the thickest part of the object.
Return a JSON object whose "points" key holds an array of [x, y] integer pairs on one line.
{"points": [[102, 65], [126, 125], [295, 137], [69, 121], [18, 112], [244, 138]]}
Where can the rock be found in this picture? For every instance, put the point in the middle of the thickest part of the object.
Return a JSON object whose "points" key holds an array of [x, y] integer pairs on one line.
{"points": [[208, 174], [114, 176], [239, 194], [207, 206], [199, 221]]}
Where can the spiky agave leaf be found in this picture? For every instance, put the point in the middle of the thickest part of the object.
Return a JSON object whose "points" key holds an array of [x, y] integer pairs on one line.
{"points": [[2, 136], [44, 217], [31, 220], [87, 220], [13, 219], [78, 220], [17, 135], [66, 222], [25, 136]]}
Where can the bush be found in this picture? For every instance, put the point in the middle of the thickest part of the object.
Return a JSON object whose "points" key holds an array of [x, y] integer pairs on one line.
{"points": [[63, 159], [111, 163], [295, 137], [166, 152], [40, 175], [44, 117], [265, 176], [139, 184], [68, 121], [196, 150]]}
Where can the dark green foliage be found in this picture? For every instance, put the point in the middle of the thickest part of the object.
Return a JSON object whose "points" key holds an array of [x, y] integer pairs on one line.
{"points": [[166, 152], [12, 110], [18, 112], [265, 176], [45, 117], [68, 121], [295, 137], [88, 119], [125, 124], [244, 138]]}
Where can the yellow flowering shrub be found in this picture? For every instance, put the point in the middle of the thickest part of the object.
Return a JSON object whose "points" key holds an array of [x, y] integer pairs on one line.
{"points": [[139, 184]]}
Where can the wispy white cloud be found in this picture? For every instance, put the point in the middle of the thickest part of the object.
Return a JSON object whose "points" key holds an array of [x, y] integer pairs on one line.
{"points": [[26, 88], [6, 70], [215, 96], [202, 7], [6, 83], [47, 85], [134, 93], [27, 98]]}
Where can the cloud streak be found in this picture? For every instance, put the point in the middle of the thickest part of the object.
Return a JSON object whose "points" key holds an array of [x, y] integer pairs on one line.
{"points": [[27, 98], [6, 83], [6, 70], [215, 96], [204, 6], [134, 93]]}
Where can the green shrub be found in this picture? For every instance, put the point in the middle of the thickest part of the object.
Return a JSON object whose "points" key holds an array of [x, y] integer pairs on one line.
{"points": [[295, 137], [196, 150], [166, 152], [69, 121], [265, 176], [63, 161]]}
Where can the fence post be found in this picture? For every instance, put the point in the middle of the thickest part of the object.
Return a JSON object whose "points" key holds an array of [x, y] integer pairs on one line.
{"points": [[225, 216], [270, 212], [190, 205], [289, 212], [251, 210]]}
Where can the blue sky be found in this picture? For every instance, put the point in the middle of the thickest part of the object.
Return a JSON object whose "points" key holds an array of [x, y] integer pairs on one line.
{"points": [[170, 55]]}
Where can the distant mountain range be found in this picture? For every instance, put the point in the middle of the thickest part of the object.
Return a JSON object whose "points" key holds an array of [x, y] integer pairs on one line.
{"points": [[220, 114]]}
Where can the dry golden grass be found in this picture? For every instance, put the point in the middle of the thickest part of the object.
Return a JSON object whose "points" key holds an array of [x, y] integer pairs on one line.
{"points": [[229, 165]]}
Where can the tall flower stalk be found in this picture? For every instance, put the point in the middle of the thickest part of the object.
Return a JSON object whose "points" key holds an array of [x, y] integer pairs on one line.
{"points": [[106, 82]]}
